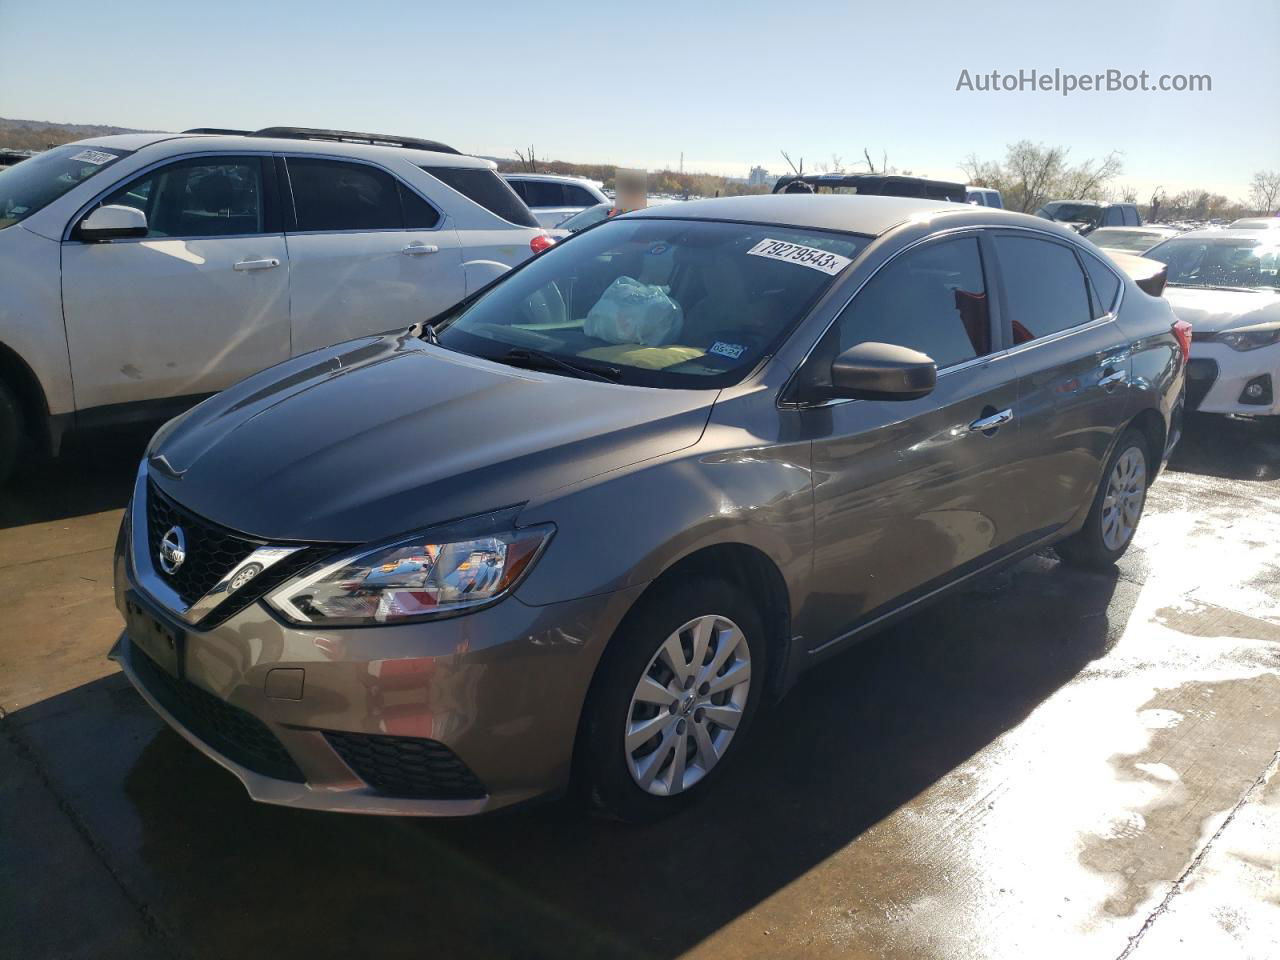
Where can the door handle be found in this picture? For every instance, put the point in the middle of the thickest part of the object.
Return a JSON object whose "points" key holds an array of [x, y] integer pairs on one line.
{"points": [[1111, 380], [993, 422], [417, 249], [266, 264]]}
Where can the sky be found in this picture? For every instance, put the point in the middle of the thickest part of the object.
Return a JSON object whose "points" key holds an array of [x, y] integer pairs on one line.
{"points": [[729, 85]]}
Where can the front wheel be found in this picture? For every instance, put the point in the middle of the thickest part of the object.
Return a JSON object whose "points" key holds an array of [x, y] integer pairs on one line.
{"points": [[1117, 508], [674, 698]]}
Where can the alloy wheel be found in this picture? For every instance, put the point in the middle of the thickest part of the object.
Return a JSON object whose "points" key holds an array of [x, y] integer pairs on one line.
{"points": [[1125, 496], [687, 705]]}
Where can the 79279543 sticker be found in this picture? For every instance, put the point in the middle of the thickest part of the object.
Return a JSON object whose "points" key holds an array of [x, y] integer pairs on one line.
{"points": [[803, 256]]}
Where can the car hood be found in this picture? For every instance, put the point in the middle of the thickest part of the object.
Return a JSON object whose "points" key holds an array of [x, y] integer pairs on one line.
{"points": [[384, 435], [1212, 311]]}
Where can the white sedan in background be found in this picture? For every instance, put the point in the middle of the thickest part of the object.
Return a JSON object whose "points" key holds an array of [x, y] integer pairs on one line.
{"points": [[1131, 239], [1226, 284]]}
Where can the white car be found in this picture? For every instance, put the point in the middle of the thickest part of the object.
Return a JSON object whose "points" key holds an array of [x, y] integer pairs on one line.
{"points": [[1226, 284], [554, 198], [1131, 239], [140, 273], [1255, 223], [984, 197]]}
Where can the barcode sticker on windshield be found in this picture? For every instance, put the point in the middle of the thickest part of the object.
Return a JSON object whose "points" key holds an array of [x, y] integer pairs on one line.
{"points": [[810, 257], [96, 157]]}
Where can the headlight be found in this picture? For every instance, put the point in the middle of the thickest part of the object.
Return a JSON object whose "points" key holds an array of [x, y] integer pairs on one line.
{"points": [[428, 575], [1250, 338]]}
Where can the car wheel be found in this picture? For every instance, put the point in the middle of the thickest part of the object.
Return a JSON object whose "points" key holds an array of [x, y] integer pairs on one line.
{"points": [[673, 699], [10, 431], [1117, 508]]}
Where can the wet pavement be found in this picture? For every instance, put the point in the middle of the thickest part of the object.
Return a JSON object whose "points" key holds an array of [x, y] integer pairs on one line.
{"points": [[1051, 764]]}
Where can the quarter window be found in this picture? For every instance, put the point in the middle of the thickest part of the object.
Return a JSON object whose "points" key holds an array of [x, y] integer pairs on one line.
{"points": [[417, 212], [1044, 286], [932, 299], [206, 197], [488, 190], [331, 195], [1106, 286]]}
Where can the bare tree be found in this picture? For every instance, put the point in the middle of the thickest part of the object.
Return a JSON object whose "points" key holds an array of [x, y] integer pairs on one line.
{"points": [[529, 160], [1033, 174], [797, 170], [1153, 208], [1264, 191]]}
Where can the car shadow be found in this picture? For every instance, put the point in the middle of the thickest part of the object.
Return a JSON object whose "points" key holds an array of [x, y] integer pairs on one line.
{"points": [[851, 744], [1229, 448]]}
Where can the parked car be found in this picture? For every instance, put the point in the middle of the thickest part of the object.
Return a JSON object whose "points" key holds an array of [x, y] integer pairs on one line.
{"points": [[1226, 284], [594, 517], [1085, 216], [871, 184], [554, 198], [984, 197], [1130, 239], [1255, 223], [141, 272], [582, 219]]}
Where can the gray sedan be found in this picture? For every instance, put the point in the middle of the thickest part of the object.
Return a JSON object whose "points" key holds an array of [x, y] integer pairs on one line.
{"points": [[583, 526]]}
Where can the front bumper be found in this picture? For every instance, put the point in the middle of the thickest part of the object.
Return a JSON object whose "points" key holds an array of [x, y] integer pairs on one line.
{"points": [[1218, 375], [444, 718]]}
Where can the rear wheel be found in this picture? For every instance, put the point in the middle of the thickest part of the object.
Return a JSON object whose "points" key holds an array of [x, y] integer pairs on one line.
{"points": [[10, 431], [673, 700], [1117, 508]]}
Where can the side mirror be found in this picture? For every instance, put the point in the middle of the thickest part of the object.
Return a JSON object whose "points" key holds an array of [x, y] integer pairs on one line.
{"points": [[883, 371], [112, 222]]}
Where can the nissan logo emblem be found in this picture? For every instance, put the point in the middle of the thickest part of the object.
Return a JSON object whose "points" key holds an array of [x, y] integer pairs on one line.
{"points": [[173, 550]]}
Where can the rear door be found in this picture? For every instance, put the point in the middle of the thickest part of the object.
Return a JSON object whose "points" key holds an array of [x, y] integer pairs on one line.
{"points": [[200, 302], [910, 494], [368, 252], [1073, 367]]}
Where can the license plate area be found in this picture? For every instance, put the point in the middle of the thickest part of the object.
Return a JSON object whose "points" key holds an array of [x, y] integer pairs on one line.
{"points": [[163, 643]]}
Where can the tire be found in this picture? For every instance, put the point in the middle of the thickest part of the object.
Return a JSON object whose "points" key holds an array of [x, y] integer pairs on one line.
{"points": [[10, 431], [667, 619], [1110, 527]]}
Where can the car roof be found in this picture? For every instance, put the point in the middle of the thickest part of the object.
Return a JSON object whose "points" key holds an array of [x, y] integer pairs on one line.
{"points": [[548, 176], [871, 215], [233, 141], [1240, 233]]}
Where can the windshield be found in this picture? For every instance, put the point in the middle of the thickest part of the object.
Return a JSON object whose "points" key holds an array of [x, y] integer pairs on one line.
{"points": [[1132, 241], [1220, 262], [667, 303], [1073, 212], [586, 218], [38, 181]]}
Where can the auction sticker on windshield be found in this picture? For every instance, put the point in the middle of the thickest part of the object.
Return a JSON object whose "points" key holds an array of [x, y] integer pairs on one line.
{"points": [[96, 157], [810, 257]]}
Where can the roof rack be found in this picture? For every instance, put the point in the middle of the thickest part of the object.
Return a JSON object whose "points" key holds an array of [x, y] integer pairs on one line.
{"points": [[350, 136]]}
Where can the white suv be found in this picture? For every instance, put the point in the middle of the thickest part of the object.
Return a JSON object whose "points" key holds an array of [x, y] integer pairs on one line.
{"points": [[140, 273], [554, 198]]}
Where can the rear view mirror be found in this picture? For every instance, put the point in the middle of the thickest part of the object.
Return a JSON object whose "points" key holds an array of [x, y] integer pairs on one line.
{"points": [[113, 222], [883, 371]]}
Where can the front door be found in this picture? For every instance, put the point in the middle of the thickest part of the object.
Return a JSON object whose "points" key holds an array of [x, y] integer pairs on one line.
{"points": [[200, 302], [908, 494], [367, 253]]}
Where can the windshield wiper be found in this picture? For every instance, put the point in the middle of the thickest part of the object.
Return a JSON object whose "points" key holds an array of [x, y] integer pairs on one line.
{"points": [[541, 360]]}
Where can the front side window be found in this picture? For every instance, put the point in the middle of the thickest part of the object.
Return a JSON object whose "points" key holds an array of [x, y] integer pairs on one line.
{"points": [[579, 196], [205, 197], [37, 181], [488, 190], [653, 302], [1226, 262], [1044, 286], [932, 299], [332, 195]]}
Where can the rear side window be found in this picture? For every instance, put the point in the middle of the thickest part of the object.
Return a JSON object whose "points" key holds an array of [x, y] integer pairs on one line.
{"points": [[205, 197], [1106, 286], [538, 193], [330, 195], [932, 299], [1045, 287], [487, 189]]}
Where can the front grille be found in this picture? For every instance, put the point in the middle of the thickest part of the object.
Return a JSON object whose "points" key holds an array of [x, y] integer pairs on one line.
{"points": [[407, 766], [212, 552], [236, 734], [1201, 374]]}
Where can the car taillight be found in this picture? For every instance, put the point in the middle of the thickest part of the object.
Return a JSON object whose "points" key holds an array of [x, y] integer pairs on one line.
{"points": [[541, 242], [1182, 330]]}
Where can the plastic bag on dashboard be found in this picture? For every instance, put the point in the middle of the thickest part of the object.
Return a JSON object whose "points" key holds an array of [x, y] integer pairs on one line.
{"points": [[633, 312]]}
